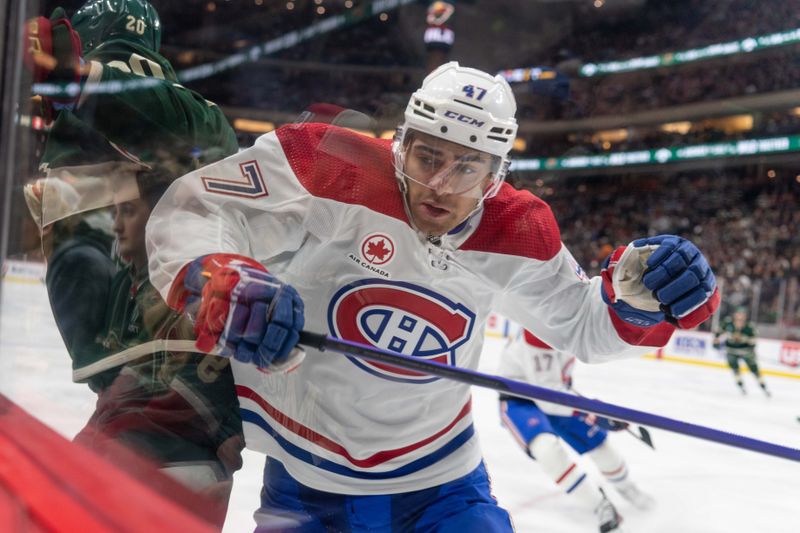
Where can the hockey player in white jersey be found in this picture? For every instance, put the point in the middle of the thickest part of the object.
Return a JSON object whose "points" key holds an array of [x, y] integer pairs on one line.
{"points": [[405, 245], [542, 429]]}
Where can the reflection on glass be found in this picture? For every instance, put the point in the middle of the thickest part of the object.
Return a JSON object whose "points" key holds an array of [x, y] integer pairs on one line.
{"points": [[190, 185]]}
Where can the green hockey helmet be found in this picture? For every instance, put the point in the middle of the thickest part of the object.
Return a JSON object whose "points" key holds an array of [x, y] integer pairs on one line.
{"points": [[135, 21]]}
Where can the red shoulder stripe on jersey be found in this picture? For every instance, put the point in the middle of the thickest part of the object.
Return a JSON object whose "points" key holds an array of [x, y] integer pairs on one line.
{"points": [[656, 336], [516, 223], [338, 164], [536, 341], [333, 446]]}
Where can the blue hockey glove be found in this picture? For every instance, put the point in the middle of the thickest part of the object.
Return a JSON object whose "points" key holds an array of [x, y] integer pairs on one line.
{"points": [[660, 278], [609, 424], [241, 311]]}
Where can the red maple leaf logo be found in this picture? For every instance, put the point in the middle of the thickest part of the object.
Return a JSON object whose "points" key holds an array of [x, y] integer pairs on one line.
{"points": [[377, 249]]}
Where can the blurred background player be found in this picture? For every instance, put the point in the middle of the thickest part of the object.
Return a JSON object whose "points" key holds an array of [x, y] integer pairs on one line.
{"points": [[155, 396], [736, 336], [116, 110], [125, 101], [542, 428], [96, 130], [80, 269]]}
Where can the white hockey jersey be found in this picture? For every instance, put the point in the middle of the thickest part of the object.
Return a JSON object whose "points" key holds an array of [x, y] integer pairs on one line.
{"points": [[528, 359], [320, 207]]}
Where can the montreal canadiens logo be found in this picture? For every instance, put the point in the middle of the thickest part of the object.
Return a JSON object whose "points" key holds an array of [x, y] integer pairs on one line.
{"points": [[377, 249], [401, 317]]}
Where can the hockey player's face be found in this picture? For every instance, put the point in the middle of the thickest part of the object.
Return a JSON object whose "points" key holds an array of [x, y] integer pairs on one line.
{"points": [[130, 218], [445, 182]]}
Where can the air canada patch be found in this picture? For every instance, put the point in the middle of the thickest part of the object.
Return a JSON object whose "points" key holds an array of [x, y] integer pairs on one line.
{"points": [[401, 317], [377, 249]]}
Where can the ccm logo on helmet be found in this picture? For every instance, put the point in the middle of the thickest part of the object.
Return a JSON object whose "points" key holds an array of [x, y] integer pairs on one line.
{"points": [[401, 317], [464, 118]]}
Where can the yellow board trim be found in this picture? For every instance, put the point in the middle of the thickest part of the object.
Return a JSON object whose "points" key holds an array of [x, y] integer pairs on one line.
{"points": [[22, 279], [716, 364]]}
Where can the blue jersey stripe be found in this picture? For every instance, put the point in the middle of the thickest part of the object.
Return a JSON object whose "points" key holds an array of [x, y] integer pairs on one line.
{"points": [[575, 485], [319, 462]]}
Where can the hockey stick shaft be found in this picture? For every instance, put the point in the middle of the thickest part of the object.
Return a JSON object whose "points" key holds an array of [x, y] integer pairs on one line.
{"points": [[528, 391]]}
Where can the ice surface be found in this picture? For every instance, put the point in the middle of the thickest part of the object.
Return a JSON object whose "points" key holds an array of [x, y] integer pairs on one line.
{"points": [[700, 486]]}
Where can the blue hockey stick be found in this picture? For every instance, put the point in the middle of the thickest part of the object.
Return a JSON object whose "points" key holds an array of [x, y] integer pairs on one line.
{"points": [[533, 392]]}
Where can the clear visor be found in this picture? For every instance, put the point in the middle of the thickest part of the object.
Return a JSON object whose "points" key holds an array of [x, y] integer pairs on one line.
{"points": [[447, 167]]}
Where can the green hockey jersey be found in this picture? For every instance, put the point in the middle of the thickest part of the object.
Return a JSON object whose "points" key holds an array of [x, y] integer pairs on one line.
{"points": [[132, 107], [155, 394], [739, 342]]}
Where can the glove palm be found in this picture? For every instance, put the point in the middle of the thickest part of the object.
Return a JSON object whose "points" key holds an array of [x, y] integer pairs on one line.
{"points": [[660, 278]]}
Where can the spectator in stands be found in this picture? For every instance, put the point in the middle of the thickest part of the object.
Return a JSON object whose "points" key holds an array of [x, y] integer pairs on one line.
{"points": [[743, 219]]}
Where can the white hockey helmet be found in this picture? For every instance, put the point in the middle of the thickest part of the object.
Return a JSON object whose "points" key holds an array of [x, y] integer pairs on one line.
{"points": [[465, 106]]}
